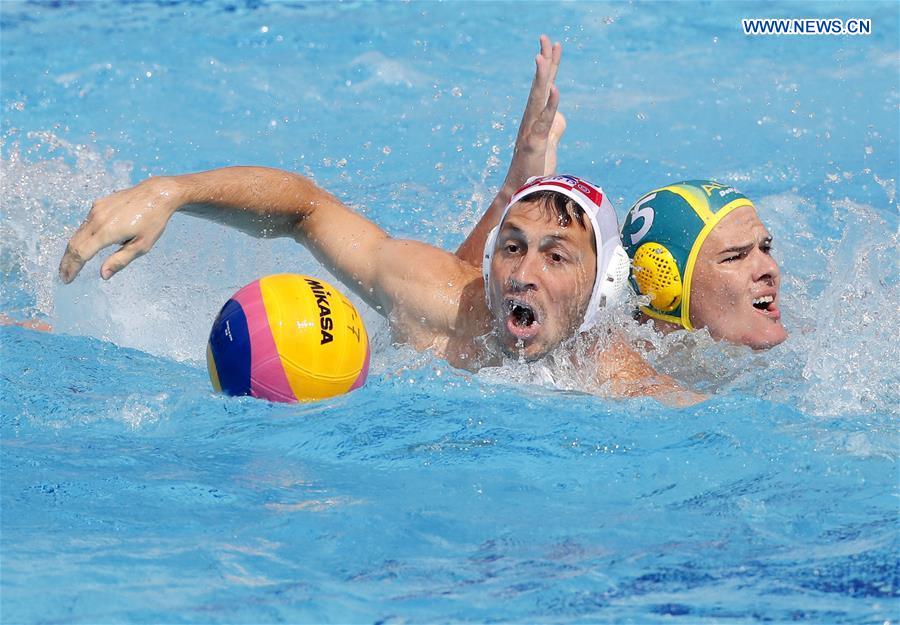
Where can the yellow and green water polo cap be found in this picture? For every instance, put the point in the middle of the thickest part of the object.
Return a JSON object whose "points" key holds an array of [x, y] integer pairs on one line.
{"points": [[663, 233]]}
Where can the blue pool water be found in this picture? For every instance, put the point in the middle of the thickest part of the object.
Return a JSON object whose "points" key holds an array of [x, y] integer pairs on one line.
{"points": [[131, 492]]}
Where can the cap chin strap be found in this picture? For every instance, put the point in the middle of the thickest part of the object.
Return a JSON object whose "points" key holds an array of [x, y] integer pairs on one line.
{"points": [[613, 264]]}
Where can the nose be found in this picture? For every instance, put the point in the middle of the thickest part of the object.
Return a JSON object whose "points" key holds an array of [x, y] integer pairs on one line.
{"points": [[764, 268], [525, 272]]}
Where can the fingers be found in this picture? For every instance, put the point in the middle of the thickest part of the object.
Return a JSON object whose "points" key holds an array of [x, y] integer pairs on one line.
{"points": [[540, 85], [82, 247], [97, 232], [546, 68], [546, 47], [552, 54], [71, 264], [555, 59], [134, 218], [118, 261]]}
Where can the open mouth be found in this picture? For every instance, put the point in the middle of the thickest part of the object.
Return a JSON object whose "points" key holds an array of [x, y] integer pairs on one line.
{"points": [[522, 314], [766, 305], [764, 302], [522, 320]]}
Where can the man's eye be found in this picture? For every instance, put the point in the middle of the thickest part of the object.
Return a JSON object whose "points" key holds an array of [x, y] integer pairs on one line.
{"points": [[556, 257], [731, 259], [766, 248], [511, 248]]}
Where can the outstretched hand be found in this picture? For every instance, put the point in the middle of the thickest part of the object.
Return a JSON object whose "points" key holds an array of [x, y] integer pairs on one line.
{"points": [[134, 218], [535, 150], [542, 125]]}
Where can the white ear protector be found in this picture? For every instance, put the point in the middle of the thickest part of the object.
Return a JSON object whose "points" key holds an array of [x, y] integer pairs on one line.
{"points": [[489, 244]]}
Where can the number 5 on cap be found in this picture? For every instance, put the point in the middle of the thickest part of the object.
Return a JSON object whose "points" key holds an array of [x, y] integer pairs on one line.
{"points": [[645, 213]]}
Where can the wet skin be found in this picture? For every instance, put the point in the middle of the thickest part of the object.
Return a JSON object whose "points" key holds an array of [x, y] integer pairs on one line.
{"points": [[542, 274], [735, 270]]}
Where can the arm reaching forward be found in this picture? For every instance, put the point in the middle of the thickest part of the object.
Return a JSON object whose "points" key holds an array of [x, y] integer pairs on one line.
{"points": [[262, 202], [267, 202], [535, 150]]}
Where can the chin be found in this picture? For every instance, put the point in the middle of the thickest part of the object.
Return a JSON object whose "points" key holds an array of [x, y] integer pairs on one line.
{"points": [[766, 338], [532, 351]]}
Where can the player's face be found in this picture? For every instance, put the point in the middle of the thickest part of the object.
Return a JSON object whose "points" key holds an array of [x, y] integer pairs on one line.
{"points": [[734, 290], [542, 274]]}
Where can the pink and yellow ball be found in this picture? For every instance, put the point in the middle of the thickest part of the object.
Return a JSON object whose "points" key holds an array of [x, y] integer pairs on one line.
{"points": [[288, 338]]}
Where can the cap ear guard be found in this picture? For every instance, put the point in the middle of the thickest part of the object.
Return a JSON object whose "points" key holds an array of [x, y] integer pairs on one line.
{"points": [[609, 289], [656, 274], [489, 244], [615, 282]]}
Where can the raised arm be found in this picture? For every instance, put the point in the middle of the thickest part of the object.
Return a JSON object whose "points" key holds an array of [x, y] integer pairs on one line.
{"points": [[535, 150]]}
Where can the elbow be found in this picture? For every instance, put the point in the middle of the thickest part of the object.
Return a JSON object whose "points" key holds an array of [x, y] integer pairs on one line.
{"points": [[297, 224]]}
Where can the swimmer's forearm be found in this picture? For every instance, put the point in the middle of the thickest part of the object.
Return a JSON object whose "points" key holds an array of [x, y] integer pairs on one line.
{"points": [[630, 375], [259, 201], [660, 387]]}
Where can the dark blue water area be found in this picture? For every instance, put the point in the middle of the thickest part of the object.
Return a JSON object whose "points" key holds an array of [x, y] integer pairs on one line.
{"points": [[135, 493]]}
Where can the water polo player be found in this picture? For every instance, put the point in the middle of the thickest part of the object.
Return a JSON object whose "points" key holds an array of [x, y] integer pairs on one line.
{"points": [[699, 251], [703, 257], [545, 273], [548, 266]]}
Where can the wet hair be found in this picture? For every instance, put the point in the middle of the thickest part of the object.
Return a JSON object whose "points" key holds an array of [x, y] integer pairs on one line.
{"points": [[564, 208]]}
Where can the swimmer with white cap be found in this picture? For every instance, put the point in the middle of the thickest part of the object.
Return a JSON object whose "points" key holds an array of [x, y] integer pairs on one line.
{"points": [[545, 272], [544, 285], [699, 252], [554, 260]]}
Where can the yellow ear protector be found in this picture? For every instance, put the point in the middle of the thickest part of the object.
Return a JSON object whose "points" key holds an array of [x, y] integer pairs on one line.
{"points": [[657, 275]]}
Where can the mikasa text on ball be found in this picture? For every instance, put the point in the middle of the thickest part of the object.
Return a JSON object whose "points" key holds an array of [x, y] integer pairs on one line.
{"points": [[288, 338]]}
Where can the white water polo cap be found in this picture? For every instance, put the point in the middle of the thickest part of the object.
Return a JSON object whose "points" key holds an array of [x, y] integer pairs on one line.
{"points": [[613, 265]]}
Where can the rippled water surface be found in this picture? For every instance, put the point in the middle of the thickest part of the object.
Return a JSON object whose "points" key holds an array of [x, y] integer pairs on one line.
{"points": [[131, 492]]}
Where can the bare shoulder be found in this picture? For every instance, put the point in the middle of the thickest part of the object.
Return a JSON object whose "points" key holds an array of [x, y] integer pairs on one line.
{"points": [[430, 292], [422, 261]]}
